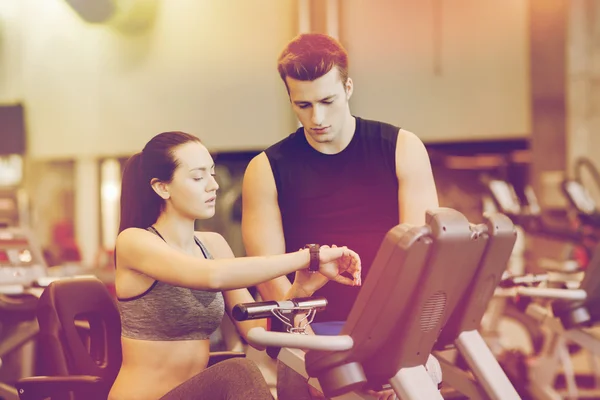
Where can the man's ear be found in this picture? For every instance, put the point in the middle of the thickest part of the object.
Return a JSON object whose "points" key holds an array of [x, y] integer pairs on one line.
{"points": [[161, 188], [349, 88]]}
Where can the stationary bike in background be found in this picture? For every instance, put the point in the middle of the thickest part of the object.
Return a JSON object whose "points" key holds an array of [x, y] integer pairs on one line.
{"points": [[578, 193], [534, 368], [584, 211], [524, 209]]}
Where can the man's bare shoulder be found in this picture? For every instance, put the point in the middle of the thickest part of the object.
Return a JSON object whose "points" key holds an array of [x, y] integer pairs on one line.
{"points": [[409, 139], [411, 153], [258, 163], [258, 177]]}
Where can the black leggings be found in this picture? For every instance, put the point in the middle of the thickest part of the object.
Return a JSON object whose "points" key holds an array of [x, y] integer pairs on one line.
{"points": [[233, 379]]}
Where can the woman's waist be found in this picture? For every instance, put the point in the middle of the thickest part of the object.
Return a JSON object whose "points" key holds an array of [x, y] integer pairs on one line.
{"points": [[139, 383], [181, 357], [150, 369]]}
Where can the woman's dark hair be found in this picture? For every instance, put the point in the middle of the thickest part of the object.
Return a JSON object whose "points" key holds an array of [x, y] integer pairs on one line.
{"points": [[140, 204]]}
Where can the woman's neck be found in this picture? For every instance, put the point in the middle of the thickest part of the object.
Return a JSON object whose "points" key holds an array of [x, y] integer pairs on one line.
{"points": [[178, 232]]}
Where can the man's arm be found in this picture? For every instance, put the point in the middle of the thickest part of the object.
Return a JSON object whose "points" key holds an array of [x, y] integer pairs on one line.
{"points": [[262, 230], [417, 192]]}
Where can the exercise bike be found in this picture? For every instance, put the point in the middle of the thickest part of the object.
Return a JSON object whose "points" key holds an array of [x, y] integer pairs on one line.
{"points": [[419, 283]]}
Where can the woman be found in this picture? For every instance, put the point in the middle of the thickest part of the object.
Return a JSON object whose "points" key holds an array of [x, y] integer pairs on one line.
{"points": [[172, 294]]}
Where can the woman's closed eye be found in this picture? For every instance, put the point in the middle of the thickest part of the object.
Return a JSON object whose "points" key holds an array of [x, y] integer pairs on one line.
{"points": [[199, 178]]}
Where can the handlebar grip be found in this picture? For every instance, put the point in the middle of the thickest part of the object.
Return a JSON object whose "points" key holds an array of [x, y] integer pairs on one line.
{"points": [[245, 311], [264, 309]]}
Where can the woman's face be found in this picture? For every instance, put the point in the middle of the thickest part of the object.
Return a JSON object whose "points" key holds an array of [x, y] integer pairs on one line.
{"points": [[193, 189]]}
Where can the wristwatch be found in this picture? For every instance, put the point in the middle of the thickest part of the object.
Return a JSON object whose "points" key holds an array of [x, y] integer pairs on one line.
{"points": [[314, 257]]}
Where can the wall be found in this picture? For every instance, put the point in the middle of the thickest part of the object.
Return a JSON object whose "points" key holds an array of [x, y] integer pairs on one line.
{"points": [[583, 81], [446, 70], [11, 33], [207, 67], [548, 32]]}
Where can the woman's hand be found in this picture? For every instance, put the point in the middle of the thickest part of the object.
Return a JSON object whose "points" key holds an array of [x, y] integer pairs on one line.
{"points": [[334, 261]]}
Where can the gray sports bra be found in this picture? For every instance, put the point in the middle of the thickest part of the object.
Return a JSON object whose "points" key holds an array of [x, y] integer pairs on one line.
{"points": [[167, 312]]}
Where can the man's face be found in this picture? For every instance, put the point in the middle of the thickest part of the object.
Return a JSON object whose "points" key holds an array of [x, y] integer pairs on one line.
{"points": [[321, 105]]}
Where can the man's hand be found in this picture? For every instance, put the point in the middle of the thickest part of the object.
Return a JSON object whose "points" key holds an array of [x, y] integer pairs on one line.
{"points": [[334, 262]]}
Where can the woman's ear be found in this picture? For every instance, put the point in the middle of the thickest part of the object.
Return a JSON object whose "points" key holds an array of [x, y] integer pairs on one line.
{"points": [[161, 188]]}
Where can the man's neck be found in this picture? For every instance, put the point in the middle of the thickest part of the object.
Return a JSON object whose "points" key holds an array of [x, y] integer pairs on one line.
{"points": [[340, 142]]}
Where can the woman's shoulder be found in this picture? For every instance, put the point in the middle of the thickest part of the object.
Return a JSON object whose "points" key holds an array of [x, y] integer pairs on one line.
{"points": [[133, 242], [215, 243], [132, 235]]}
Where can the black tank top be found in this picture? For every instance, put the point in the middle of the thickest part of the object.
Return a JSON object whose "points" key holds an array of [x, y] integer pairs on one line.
{"points": [[348, 199]]}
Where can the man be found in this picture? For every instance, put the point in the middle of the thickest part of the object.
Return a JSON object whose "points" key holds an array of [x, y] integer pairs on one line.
{"points": [[339, 179]]}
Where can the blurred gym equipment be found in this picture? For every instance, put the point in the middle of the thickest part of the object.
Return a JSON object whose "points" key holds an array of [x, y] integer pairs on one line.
{"points": [[80, 330], [22, 271]]}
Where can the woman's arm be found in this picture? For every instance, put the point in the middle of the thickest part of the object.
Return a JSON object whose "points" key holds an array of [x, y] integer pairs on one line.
{"points": [[143, 251]]}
